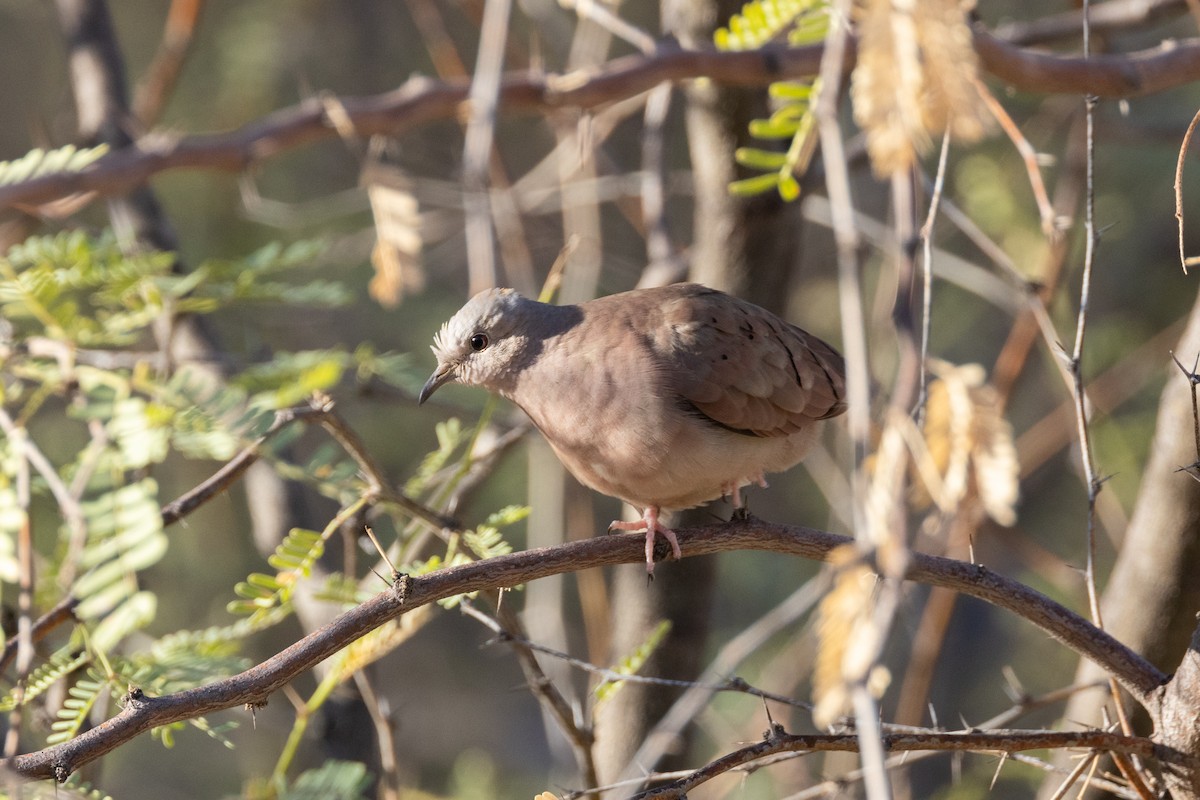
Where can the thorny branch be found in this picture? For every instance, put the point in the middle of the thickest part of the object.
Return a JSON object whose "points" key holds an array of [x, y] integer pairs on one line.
{"points": [[578, 732], [776, 741], [255, 685]]}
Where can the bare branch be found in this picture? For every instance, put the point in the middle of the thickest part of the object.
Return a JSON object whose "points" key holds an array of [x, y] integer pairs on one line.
{"points": [[1106, 76], [1142, 679], [509, 628], [421, 100], [156, 85], [62, 612], [999, 741], [225, 477], [1184, 261]]}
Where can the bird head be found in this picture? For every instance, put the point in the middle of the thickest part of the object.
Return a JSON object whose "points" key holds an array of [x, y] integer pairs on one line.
{"points": [[480, 345]]}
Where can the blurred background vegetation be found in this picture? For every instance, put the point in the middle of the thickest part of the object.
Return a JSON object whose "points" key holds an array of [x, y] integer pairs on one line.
{"points": [[464, 724]]}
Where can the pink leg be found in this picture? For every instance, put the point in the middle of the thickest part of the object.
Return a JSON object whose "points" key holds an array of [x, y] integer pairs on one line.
{"points": [[649, 522], [734, 491]]}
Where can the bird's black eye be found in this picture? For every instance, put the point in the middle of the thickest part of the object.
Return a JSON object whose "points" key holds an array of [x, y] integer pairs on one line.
{"points": [[479, 341]]}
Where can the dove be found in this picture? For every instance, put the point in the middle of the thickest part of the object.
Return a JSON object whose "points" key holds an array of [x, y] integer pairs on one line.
{"points": [[665, 398]]}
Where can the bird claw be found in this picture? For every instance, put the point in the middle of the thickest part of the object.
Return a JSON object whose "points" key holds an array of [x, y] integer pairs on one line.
{"points": [[650, 524]]}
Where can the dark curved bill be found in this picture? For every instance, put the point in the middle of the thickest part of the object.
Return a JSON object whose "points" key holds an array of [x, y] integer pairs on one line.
{"points": [[443, 374]]}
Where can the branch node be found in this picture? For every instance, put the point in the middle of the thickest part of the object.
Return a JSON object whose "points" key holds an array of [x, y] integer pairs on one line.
{"points": [[133, 698], [774, 733], [402, 584]]}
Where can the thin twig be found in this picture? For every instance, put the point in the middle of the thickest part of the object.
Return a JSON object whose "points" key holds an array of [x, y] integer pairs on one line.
{"points": [[67, 504], [1023, 706], [63, 611], [731, 655], [225, 477], [609, 675], [909, 370], [1184, 261], [1076, 363], [1027, 153], [508, 628], [1018, 345], [1193, 378], [156, 85], [384, 733], [1104, 784], [1094, 484], [990, 742], [939, 182], [837, 181], [322, 410], [1073, 776]]}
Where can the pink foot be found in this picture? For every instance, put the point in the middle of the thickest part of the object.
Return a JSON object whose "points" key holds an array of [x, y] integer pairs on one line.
{"points": [[650, 524]]}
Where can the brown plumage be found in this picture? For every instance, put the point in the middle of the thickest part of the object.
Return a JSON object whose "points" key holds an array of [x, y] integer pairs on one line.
{"points": [[665, 398]]}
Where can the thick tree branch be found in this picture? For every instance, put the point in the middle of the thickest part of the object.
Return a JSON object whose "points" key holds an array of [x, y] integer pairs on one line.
{"points": [[421, 100], [254, 685], [1171, 64]]}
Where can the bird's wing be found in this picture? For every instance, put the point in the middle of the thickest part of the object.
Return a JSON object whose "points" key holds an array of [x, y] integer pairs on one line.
{"points": [[745, 369]]}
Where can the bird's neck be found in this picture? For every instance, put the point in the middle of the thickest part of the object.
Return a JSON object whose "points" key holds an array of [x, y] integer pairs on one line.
{"points": [[536, 363]]}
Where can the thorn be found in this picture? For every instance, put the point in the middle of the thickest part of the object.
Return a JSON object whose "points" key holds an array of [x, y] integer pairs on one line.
{"points": [[1192, 469], [1193, 375], [379, 549], [767, 710], [996, 774]]}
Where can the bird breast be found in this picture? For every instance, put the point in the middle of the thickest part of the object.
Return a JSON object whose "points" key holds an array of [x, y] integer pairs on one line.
{"points": [[619, 428]]}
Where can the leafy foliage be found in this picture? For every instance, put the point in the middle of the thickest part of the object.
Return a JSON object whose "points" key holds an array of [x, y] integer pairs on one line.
{"points": [[484, 542], [78, 384], [450, 436], [333, 780], [294, 558], [633, 663], [44, 676], [38, 163], [75, 709], [802, 22]]}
